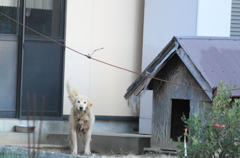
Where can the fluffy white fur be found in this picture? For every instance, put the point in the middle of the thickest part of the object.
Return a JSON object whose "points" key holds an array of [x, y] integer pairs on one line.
{"points": [[81, 120]]}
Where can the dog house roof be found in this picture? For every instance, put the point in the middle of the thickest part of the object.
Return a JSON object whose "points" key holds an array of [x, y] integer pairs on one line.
{"points": [[209, 59]]}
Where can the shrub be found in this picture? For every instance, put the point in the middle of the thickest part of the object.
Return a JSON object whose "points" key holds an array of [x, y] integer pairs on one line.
{"points": [[215, 132]]}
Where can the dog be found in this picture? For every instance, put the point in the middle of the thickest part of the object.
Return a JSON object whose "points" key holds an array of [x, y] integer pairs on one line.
{"points": [[81, 120]]}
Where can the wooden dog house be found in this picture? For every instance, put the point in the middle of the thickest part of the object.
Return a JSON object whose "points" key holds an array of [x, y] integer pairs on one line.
{"points": [[185, 73]]}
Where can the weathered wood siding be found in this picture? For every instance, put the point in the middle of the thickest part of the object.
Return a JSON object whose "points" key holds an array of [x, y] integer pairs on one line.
{"points": [[163, 93]]}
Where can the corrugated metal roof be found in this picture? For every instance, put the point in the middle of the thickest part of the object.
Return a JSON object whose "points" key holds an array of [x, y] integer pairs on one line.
{"points": [[216, 58]]}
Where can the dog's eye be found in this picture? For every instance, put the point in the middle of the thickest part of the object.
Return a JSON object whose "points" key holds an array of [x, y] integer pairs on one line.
{"points": [[78, 101], [84, 102]]}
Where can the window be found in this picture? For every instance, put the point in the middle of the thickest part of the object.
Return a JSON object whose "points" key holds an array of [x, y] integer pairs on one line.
{"points": [[9, 8], [42, 68], [44, 17], [39, 70]]}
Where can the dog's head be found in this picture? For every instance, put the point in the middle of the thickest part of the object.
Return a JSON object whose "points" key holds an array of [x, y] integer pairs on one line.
{"points": [[81, 103]]}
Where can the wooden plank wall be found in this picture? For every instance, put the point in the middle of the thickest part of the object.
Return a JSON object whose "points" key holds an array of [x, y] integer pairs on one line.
{"points": [[163, 93]]}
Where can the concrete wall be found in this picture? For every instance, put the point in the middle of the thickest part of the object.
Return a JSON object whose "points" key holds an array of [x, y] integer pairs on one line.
{"points": [[117, 26]]}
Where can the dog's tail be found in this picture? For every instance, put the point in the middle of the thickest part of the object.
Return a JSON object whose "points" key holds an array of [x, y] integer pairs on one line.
{"points": [[72, 91]]}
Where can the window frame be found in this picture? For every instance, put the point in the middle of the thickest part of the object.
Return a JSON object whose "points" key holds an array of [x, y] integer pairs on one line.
{"points": [[21, 38]]}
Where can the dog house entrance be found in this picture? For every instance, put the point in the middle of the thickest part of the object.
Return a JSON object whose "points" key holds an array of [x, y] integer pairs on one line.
{"points": [[179, 107]]}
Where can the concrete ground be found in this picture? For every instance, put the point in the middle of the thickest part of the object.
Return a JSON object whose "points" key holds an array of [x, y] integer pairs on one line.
{"points": [[112, 155], [8, 151], [105, 143], [110, 139]]}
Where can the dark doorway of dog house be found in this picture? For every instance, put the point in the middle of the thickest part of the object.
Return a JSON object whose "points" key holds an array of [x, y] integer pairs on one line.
{"points": [[179, 108]]}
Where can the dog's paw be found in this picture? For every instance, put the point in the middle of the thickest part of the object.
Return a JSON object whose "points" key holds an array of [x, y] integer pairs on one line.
{"points": [[74, 153], [87, 152]]}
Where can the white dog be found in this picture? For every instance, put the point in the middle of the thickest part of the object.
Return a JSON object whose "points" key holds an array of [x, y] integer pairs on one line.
{"points": [[81, 120]]}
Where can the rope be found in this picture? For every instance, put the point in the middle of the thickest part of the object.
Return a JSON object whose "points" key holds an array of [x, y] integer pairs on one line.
{"points": [[100, 61]]}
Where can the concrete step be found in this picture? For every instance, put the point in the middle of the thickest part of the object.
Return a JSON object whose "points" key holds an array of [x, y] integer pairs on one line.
{"points": [[104, 143]]}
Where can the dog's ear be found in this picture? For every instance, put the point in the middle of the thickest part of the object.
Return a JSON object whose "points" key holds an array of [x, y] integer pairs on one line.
{"points": [[89, 103]]}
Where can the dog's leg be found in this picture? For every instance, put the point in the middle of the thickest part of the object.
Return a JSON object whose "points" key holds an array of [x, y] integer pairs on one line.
{"points": [[74, 141], [87, 140]]}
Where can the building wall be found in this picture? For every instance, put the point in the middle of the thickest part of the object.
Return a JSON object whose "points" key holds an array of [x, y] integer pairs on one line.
{"points": [[163, 20], [167, 18], [117, 26], [214, 18]]}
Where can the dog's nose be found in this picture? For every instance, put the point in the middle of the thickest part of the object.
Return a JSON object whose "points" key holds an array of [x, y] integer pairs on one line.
{"points": [[80, 108]]}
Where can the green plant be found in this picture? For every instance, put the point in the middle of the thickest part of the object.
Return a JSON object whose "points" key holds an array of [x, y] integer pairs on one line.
{"points": [[215, 132]]}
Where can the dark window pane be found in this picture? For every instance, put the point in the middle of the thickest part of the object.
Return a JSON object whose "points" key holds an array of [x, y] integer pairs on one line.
{"points": [[42, 76], [44, 17], [7, 26]]}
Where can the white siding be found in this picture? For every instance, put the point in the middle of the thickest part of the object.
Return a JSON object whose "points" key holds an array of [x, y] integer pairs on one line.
{"points": [[214, 18], [235, 18], [117, 26], [164, 19]]}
